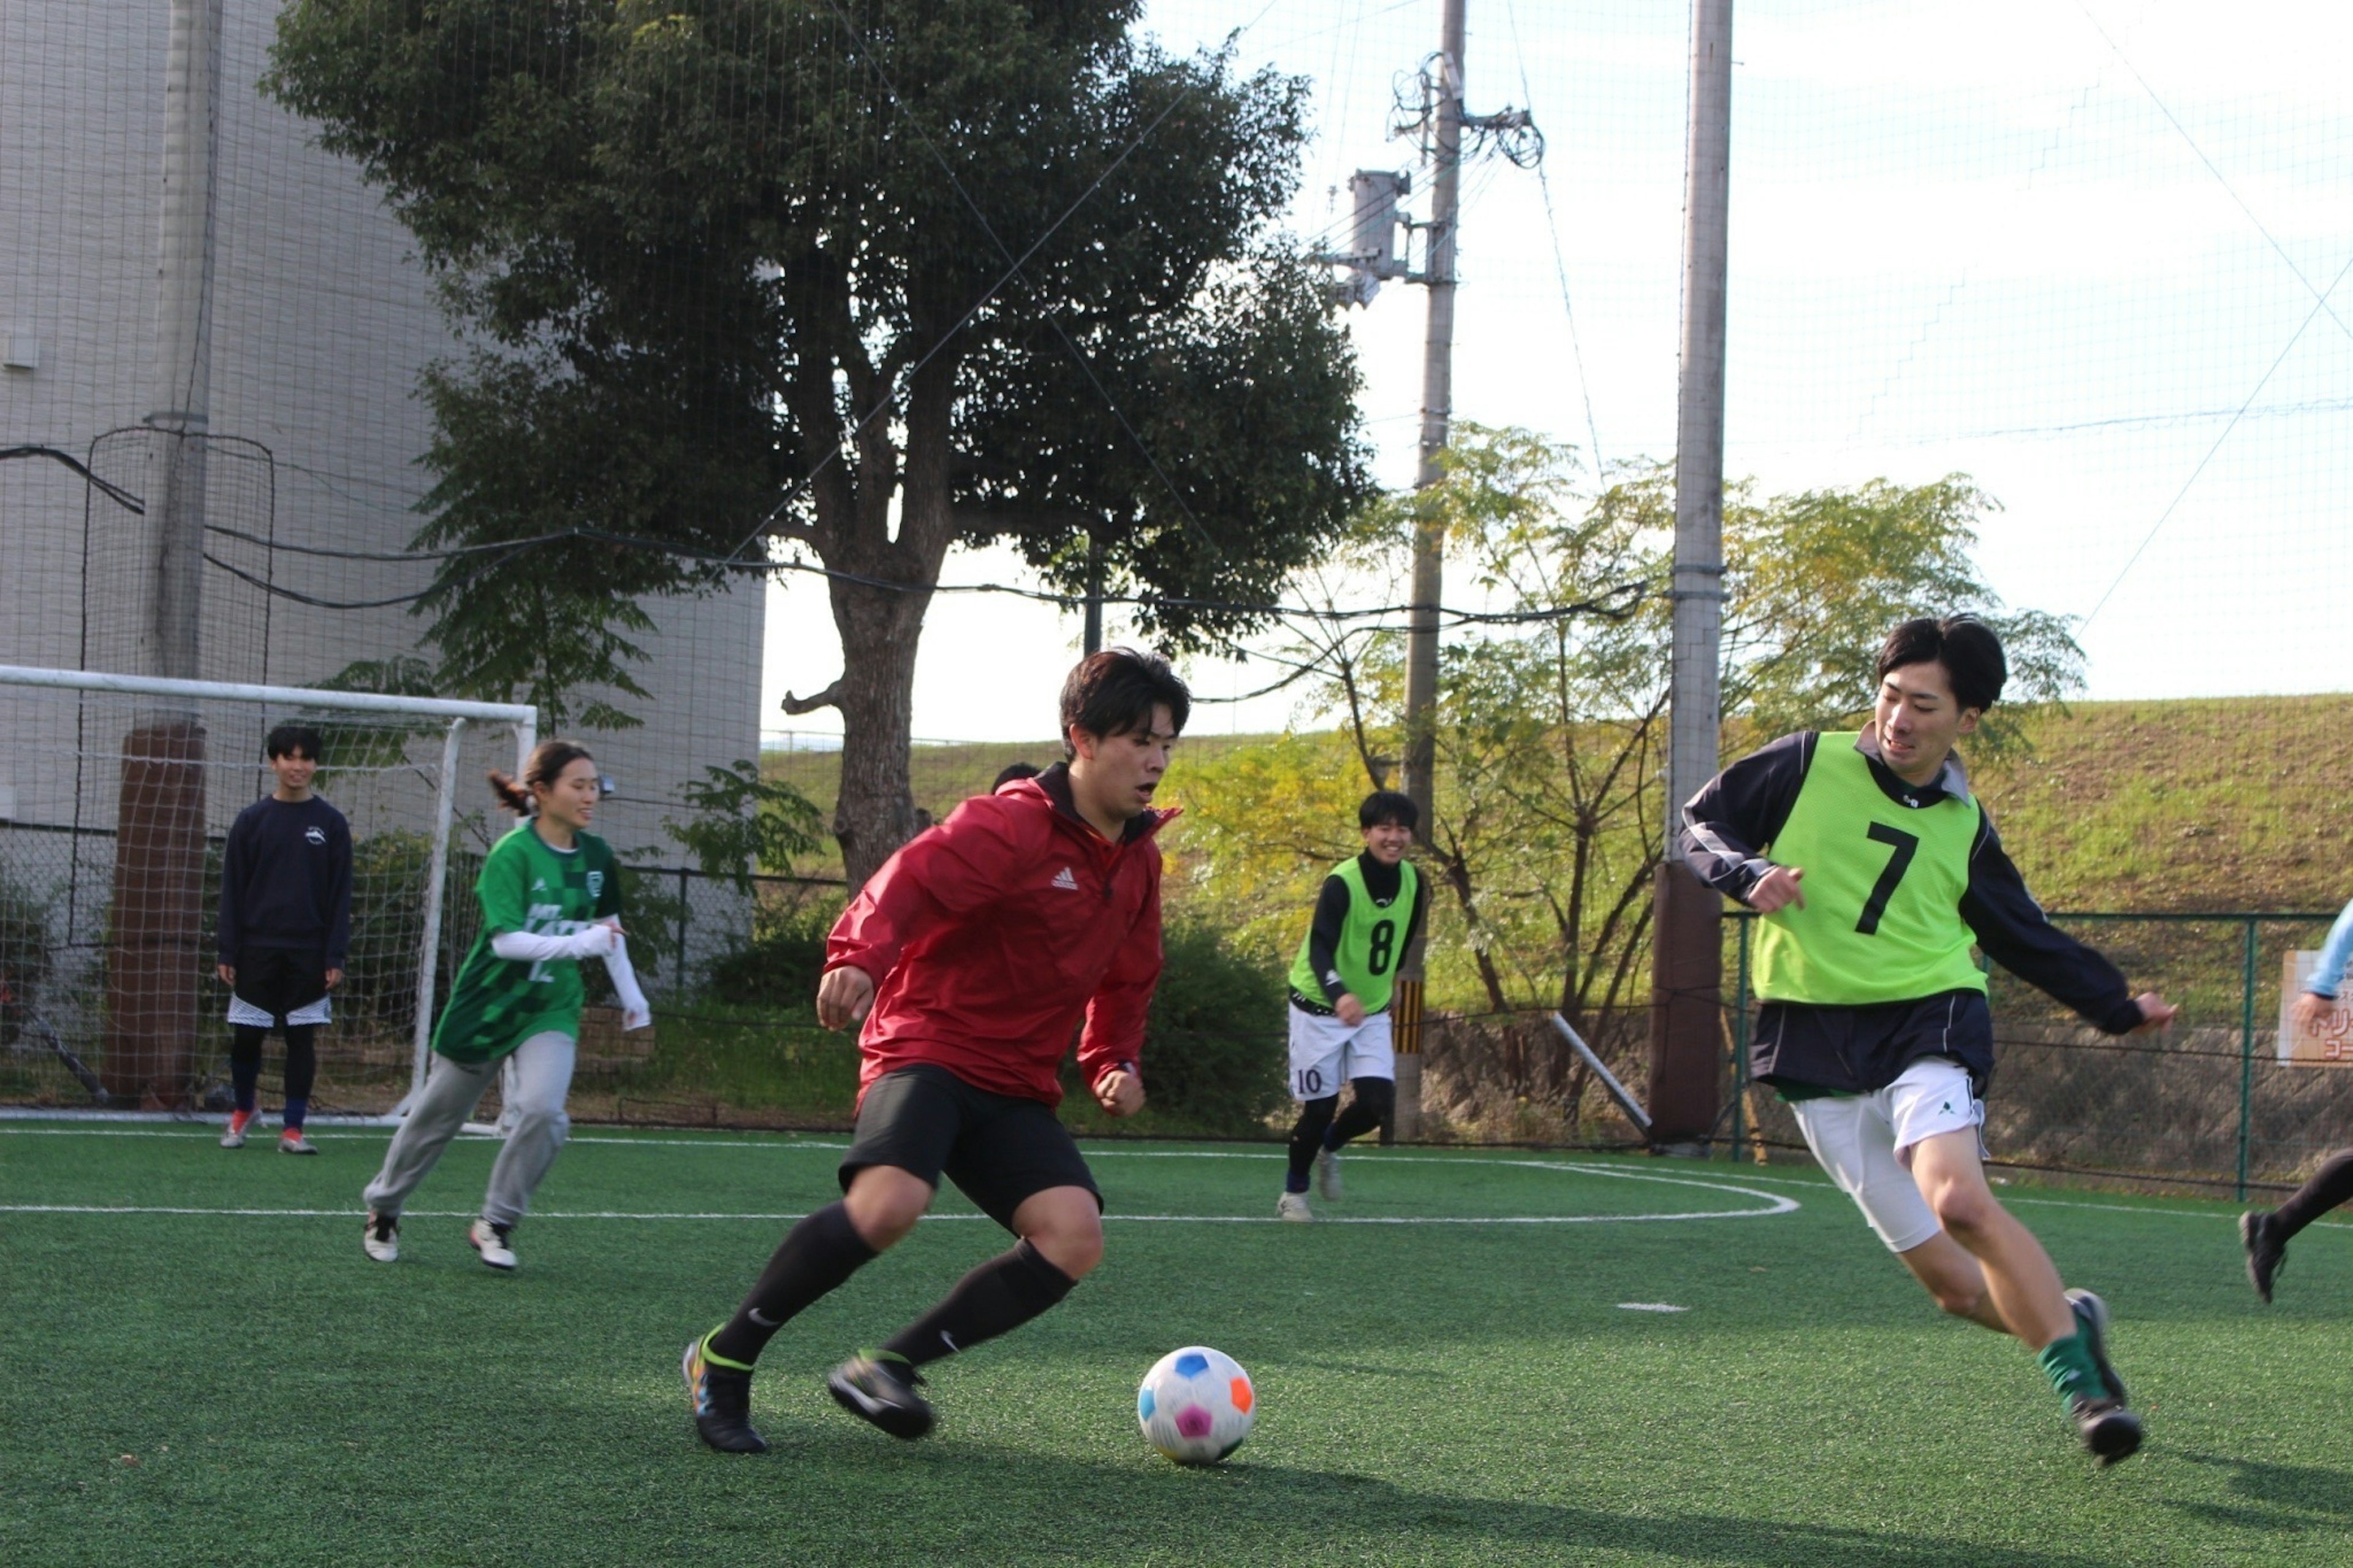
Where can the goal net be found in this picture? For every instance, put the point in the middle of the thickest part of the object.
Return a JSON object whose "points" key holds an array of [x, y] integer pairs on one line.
{"points": [[116, 796]]}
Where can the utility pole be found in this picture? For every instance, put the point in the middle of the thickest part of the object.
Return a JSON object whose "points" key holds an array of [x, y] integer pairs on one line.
{"points": [[1686, 942], [159, 845], [1439, 119], [1429, 533]]}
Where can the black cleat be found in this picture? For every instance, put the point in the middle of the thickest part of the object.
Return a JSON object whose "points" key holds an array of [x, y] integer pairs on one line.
{"points": [[721, 1400], [881, 1390], [2108, 1429], [2265, 1251]]}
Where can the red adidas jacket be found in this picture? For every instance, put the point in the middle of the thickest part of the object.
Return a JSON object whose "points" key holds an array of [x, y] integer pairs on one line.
{"points": [[989, 936]]}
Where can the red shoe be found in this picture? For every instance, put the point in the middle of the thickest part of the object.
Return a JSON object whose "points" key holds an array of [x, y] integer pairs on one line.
{"points": [[238, 1122]]}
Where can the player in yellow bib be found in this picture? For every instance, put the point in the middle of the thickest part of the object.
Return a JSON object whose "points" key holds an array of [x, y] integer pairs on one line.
{"points": [[1877, 870], [1366, 915]]}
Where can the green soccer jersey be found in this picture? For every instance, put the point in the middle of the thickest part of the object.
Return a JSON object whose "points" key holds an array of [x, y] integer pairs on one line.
{"points": [[526, 886], [1882, 917], [1364, 956]]}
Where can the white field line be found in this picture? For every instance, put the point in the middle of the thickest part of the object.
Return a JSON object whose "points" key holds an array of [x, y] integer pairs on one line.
{"points": [[780, 1218], [1775, 1203], [1365, 1156]]}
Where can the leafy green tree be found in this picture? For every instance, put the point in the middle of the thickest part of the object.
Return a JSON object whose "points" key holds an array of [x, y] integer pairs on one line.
{"points": [[1550, 732], [860, 279]]}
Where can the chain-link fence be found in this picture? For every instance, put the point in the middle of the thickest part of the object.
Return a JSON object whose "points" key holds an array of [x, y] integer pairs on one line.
{"points": [[2207, 1102]]}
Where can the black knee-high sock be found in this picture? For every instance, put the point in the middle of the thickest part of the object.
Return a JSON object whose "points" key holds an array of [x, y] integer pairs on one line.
{"points": [[1306, 1137], [816, 1255], [2330, 1185], [301, 1071], [245, 1062], [1367, 1108], [1002, 1294]]}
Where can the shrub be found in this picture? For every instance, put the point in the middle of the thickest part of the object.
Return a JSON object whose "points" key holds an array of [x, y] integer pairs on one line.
{"points": [[780, 965], [1213, 1047]]}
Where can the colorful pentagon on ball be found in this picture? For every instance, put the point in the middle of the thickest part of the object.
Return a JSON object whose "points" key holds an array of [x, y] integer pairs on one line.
{"points": [[1196, 1405]]}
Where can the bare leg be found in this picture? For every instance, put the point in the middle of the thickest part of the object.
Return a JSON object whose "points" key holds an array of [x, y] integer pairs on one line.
{"points": [[1955, 1280], [2023, 1295]]}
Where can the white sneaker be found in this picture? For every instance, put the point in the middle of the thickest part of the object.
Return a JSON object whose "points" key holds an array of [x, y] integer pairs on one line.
{"points": [[1293, 1206], [1327, 1173], [381, 1239], [233, 1135], [490, 1241], [291, 1142]]}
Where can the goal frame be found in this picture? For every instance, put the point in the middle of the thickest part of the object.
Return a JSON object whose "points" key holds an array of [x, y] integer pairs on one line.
{"points": [[459, 712]]}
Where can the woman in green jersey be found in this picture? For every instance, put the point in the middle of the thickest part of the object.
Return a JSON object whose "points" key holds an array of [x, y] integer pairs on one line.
{"points": [[550, 898]]}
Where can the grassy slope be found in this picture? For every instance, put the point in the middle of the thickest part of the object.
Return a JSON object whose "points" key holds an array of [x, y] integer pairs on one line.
{"points": [[182, 1388], [2224, 804], [2236, 804]]}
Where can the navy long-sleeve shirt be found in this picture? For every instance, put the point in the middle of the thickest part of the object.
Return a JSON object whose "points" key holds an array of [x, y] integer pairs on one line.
{"points": [[286, 880], [1728, 824], [1332, 917]]}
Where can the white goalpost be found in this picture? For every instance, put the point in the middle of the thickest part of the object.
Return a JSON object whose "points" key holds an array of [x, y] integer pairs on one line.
{"points": [[116, 792]]}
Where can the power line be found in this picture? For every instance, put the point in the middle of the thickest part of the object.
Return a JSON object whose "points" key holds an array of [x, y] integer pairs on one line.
{"points": [[2320, 304]]}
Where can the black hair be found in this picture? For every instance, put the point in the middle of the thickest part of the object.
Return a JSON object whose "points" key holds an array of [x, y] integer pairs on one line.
{"points": [[1389, 806], [1014, 771], [288, 739], [548, 760], [1964, 645], [1114, 692]]}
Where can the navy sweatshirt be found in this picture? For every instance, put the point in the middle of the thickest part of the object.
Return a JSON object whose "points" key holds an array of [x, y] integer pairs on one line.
{"points": [[286, 880], [1743, 809]]}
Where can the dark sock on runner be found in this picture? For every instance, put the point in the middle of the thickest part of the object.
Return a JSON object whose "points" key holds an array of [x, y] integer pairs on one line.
{"points": [[1306, 1137], [2330, 1185], [301, 1071], [245, 1062], [1369, 1107], [1002, 1294], [816, 1255]]}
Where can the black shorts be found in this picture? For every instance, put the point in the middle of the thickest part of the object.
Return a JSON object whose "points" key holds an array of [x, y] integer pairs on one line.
{"points": [[997, 1148], [277, 987], [1862, 1051]]}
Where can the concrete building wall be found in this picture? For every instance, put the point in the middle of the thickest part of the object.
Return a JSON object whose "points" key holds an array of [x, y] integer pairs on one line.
{"points": [[321, 322]]}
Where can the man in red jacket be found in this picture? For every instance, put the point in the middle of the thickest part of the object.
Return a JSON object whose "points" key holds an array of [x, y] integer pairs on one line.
{"points": [[971, 956]]}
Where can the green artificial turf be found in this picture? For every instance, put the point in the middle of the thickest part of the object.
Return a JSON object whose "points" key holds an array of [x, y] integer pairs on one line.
{"points": [[229, 1386]]}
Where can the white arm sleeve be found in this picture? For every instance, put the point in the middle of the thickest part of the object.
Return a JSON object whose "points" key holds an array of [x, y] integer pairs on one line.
{"points": [[529, 947], [637, 1013]]}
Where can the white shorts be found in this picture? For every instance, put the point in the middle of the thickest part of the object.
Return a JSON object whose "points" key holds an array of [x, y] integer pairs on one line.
{"points": [[1326, 1053], [1865, 1142]]}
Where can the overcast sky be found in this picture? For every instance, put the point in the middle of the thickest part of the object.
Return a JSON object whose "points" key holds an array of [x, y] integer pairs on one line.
{"points": [[2093, 255]]}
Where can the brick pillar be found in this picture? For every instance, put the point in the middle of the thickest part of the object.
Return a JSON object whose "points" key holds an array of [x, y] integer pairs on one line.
{"points": [[155, 947]]}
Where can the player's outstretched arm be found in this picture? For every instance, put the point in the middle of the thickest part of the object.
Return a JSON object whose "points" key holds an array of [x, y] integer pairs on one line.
{"points": [[2015, 933]]}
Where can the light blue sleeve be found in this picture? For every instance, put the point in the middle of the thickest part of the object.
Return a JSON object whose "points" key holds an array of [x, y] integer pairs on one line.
{"points": [[2333, 955]]}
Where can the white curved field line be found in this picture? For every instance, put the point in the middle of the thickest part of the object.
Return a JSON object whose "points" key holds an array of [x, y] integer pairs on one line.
{"points": [[1775, 1202]]}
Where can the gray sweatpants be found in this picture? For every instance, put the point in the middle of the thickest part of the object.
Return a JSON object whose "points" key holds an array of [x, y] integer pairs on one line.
{"points": [[542, 1078]]}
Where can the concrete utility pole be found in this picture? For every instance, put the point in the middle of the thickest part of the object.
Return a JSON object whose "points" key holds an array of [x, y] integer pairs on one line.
{"points": [[183, 372], [1687, 959], [1430, 536], [159, 850]]}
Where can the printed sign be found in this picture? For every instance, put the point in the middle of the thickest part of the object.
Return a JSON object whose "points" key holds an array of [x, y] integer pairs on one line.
{"points": [[2331, 1045]]}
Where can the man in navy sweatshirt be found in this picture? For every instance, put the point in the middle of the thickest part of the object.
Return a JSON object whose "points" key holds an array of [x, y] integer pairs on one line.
{"points": [[285, 929]]}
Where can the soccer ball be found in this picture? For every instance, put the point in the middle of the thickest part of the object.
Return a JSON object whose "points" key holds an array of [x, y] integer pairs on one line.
{"points": [[1196, 1405]]}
